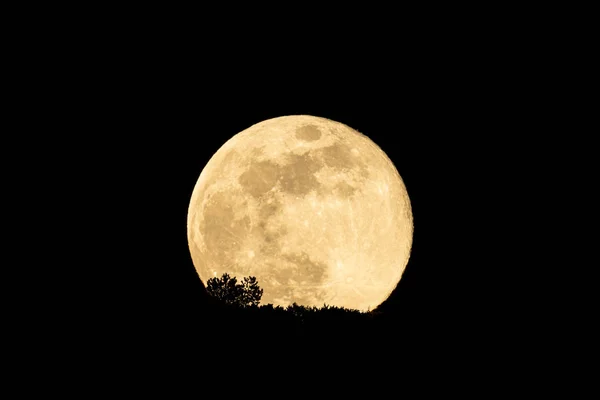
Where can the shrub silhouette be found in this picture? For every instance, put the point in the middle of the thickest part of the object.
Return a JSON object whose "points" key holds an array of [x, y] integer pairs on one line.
{"points": [[227, 289], [237, 308]]}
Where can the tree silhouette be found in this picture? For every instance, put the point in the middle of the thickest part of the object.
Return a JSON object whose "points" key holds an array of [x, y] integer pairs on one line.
{"points": [[227, 289], [251, 292]]}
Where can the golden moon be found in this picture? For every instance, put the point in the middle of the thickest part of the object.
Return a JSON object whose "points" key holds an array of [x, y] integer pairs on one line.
{"points": [[315, 210]]}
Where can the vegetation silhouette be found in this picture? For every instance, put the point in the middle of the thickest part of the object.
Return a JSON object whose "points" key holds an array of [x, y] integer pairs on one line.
{"points": [[248, 293], [234, 319], [228, 290], [235, 335], [237, 306]]}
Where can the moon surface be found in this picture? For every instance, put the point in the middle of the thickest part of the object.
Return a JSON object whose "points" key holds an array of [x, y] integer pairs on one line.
{"points": [[315, 210]]}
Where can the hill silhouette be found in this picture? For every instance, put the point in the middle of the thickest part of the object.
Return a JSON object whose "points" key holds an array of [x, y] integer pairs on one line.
{"points": [[292, 332]]}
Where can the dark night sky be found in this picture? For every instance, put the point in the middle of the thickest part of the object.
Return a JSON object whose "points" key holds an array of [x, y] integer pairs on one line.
{"points": [[159, 114], [131, 109], [135, 113]]}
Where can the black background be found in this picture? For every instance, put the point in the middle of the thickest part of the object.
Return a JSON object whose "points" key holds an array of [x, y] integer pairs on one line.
{"points": [[142, 114], [115, 110]]}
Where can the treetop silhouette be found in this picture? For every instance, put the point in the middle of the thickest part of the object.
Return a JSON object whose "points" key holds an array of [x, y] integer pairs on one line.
{"points": [[227, 289]]}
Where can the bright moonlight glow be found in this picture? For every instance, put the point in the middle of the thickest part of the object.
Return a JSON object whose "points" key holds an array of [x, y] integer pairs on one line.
{"points": [[312, 208]]}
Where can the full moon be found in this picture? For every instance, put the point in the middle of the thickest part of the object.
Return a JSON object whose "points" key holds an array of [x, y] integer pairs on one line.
{"points": [[315, 210]]}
